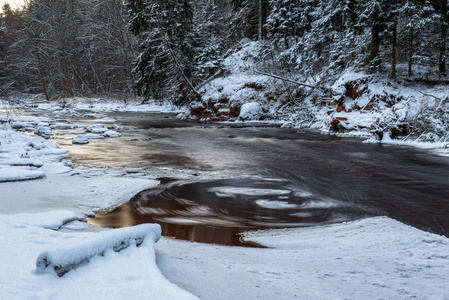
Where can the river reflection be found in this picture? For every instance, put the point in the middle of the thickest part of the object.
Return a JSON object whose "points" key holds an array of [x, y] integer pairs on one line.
{"points": [[217, 211]]}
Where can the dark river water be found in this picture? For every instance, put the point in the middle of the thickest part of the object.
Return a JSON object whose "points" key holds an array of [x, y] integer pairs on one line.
{"points": [[289, 178]]}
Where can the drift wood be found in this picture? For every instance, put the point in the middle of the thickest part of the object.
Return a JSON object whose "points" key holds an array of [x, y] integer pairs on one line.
{"points": [[64, 260]]}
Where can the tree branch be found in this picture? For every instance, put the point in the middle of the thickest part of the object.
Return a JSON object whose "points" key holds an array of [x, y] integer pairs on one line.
{"points": [[180, 69], [284, 79]]}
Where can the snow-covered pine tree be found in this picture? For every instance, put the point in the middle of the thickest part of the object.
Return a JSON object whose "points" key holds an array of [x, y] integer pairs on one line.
{"points": [[372, 21], [210, 22], [442, 9], [287, 21], [165, 65], [250, 19], [415, 19], [209, 60]]}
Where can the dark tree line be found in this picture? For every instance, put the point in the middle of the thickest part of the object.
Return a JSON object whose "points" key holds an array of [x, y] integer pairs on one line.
{"points": [[166, 48], [68, 47]]}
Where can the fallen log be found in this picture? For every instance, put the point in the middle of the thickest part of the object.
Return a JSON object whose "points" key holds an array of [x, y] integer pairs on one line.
{"points": [[61, 261]]}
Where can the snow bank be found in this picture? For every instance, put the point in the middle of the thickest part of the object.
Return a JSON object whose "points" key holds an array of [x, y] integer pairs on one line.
{"points": [[66, 259], [371, 106], [49, 220], [70, 105], [129, 274], [85, 191], [377, 258], [16, 174]]}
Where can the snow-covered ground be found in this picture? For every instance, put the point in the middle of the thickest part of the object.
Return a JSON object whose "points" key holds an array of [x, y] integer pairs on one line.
{"points": [[362, 105], [376, 258], [71, 104]]}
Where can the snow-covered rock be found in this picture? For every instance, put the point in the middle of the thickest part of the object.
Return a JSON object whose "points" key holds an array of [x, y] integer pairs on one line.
{"points": [[80, 139], [250, 112], [18, 125], [111, 134], [97, 128], [117, 128], [60, 126], [93, 136], [43, 130], [245, 41]]}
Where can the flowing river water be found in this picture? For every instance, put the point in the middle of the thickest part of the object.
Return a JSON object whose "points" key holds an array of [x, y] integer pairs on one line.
{"points": [[280, 178]]}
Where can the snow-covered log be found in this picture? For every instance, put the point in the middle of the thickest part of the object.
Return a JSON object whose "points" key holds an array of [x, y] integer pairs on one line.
{"points": [[63, 260]]}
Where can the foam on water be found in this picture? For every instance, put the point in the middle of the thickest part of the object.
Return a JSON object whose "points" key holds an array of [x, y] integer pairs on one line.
{"points": [[226, 191], [274, 204]]}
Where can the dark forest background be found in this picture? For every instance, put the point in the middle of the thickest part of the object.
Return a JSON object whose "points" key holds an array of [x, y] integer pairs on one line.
{"points": [[164, 49]]}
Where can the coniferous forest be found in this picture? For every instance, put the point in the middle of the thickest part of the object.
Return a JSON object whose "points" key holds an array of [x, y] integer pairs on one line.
{"points": [[166, 48]]}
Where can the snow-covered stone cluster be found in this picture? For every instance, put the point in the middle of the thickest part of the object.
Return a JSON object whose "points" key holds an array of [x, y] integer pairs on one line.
{"points": [[98, 131], [24, 157]]}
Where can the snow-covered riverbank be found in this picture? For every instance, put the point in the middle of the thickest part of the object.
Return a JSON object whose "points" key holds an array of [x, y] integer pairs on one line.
{"points": [[376, 258]]}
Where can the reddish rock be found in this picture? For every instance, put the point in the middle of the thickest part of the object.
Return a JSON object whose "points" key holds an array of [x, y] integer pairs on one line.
{"points": [[336, 124], [353, 90], [214, 112]]}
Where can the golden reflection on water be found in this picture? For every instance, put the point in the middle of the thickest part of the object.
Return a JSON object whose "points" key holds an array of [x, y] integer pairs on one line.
{"points": [[125, 218]]}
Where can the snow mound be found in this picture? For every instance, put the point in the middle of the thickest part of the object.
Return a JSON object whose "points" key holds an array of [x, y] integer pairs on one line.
{"points": [[250, 112], [93, 136], [18, 125], [56, 168], [62, 261], [43, 130], [80, 139], [97, 128], [111, 134], [60, 126]]}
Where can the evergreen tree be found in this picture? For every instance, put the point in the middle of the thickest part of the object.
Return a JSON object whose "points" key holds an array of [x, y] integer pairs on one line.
{"points": [[415, 18], [165, 64], [209, 60], [210, 24], [250, 19], [288, 20]]}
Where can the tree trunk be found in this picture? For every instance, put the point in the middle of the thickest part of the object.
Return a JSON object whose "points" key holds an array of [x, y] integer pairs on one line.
{"points": [[373, 58], [410, 53], [394, 49], [443, 37], [261, 20]]}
